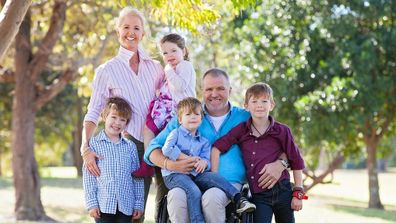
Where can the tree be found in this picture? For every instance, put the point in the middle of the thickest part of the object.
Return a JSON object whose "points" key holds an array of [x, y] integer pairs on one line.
{"points": [[42, 44], [11, 17], [332, 67]]}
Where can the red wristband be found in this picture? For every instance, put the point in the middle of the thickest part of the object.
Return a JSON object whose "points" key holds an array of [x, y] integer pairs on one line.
{"points": [[300, 195]]}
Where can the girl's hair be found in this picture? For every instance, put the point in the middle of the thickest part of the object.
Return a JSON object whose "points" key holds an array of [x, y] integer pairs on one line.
{"points": [[178, 40], [258, 89], [130, 11], [189, 104], [121, 106]]}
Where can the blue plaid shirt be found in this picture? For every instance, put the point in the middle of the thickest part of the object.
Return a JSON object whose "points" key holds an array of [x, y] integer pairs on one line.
{"points": [[115, 185], [180, 140]]}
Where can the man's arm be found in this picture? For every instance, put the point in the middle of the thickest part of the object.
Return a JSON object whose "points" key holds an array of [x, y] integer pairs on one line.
{"points": [[271, 173], [88, 155], [154, 156]]}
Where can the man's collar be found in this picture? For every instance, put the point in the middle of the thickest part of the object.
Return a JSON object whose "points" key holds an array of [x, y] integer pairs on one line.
{"points": [[207, 113]]}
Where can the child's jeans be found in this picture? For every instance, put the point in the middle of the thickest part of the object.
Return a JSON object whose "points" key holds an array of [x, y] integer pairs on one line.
{"points": [[193, 185], [277, 201], [118, 217]]}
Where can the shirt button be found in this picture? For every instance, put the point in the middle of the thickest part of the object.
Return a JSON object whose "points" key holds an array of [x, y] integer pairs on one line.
{"points": [[251, 164], [252, 177], [253, 153], [255, 141]]}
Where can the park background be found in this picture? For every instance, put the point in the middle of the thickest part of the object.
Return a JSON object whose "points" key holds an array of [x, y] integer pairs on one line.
{"points": [[332, 65]]}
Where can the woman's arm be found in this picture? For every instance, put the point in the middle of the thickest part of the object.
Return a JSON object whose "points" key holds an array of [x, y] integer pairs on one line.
{"points": [[89, 156]]}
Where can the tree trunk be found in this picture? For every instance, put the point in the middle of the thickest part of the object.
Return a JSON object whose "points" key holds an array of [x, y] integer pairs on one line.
{"points": [[11, 17], [28, 204], [77, 137], [374, 200]]}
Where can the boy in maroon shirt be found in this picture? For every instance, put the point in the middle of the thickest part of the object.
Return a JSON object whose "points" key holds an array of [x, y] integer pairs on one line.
{"points": [[262, 140]]}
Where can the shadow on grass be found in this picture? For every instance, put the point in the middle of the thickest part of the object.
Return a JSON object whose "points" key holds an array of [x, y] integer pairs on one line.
{"points": [[360, 209], [62, 182], [5, 182]]}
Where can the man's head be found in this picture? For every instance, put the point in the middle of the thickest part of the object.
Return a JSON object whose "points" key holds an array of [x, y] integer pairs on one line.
{"points": [[189, 113], [216, 90]]}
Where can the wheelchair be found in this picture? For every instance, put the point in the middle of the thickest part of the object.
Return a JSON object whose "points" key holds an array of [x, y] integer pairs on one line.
{"points": [[231, 215]]}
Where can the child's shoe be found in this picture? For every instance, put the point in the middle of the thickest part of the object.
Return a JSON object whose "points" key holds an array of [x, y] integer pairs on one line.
{"points": [[245, 206]]}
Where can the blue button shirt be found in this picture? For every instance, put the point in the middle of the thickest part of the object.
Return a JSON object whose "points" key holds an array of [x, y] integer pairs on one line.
{"points": [[231, 165], [115, 185], [181, 140]]}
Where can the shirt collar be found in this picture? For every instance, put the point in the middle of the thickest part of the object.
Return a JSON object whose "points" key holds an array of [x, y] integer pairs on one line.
{"points": [[250, 120], [185, 132], [125, 54], [103, 137]]}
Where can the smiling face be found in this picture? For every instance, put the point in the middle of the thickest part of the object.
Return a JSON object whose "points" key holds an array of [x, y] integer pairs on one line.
{"points": [[172, 53], [130, 32], [114, 125], [260, 106], [216, 91], [191, 119]]}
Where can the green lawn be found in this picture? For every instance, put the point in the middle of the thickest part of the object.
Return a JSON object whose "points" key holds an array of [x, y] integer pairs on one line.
{"points": [[343, 201]]}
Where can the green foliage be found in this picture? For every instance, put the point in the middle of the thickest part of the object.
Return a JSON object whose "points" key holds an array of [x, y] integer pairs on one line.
{"points": [[331, 65]]}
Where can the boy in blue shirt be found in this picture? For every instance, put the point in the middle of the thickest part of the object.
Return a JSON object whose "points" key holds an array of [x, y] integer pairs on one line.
{"points": [[185, 142], [115, 195]]}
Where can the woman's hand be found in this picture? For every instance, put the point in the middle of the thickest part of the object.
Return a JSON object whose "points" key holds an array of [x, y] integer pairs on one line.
{"points": [[89, 158]]}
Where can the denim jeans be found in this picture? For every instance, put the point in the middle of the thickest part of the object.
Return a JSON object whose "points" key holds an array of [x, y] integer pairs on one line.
{"points": [[193, 185], [277, 201], [118, 217]]}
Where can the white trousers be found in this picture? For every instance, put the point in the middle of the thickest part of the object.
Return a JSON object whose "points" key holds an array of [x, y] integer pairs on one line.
{"points": [[213, 201]]}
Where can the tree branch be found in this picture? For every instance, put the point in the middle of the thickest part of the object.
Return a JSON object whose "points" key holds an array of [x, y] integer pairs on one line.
{"points": [[336, 162], [56, 86], [11, 17], [6, 75], [40, 58]]}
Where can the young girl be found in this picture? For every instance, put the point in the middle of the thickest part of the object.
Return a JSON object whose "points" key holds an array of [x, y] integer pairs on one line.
{"points": [[262, 140], [179, 84]]}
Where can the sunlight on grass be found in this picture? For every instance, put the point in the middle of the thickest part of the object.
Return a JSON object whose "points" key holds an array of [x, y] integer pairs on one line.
{"points": [[58, 172]]}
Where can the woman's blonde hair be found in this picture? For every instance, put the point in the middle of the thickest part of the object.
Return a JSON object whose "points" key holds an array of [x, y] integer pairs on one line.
{"points": [[129, 10]]}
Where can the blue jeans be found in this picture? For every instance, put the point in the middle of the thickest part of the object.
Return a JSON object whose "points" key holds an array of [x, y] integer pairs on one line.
{"points": [[193, 185], [277, 201], [118, 217]]}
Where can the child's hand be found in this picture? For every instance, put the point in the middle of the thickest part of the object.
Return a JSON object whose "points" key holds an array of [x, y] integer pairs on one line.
{"points": [[296, 204], [169, 68], [94, 212], [137, 214], [201, 165]]}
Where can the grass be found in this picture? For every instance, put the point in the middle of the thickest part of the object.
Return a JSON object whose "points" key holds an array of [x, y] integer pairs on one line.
{"points": [[344, 201]]}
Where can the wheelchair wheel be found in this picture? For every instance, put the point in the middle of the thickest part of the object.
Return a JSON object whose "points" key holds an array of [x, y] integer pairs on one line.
{"points": [[247, 217]]}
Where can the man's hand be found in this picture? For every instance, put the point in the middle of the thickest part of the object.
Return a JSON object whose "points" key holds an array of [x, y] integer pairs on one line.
{"points": [[201, 165], [89, 158], [270, 174], [94, 212], [183, 166], [137, 214]]}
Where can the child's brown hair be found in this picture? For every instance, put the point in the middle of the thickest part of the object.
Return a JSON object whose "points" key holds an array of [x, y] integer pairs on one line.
{"points": [[178, 40], [120, 105], [189, 104], [257, 90]]}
